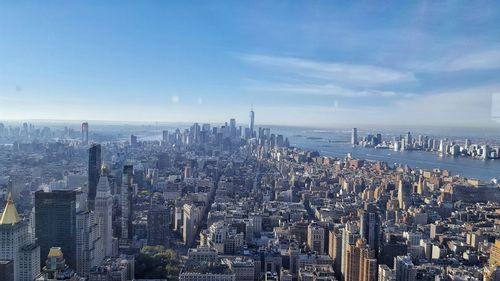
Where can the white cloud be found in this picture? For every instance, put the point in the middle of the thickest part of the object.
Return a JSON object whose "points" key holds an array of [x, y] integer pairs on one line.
{"points": [[462, 61], [175, 99], [476, 61], [351, 73], [463, 107], [320, 90]]}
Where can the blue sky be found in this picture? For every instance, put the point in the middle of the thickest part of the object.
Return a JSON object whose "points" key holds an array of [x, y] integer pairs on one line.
{"points": [[314, 63]]}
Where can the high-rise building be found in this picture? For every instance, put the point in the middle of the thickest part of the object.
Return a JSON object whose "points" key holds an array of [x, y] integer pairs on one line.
{"points": [[316, 238], [354, 136], [232, 127], [126, 203], [491, 270], [191, 218], [335, 249], [133, 140], [94, 172], [158, 226], [370, 227], [361, 263], [252, 123], [405, 271], [350, 234], [103, 214], [404, 194], [89, 246], [85, 133], [165, 136], [18, 246], [55, 223]]}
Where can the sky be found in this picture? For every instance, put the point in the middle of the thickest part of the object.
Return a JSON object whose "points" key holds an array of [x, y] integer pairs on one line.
{"points": [[304, 63]]}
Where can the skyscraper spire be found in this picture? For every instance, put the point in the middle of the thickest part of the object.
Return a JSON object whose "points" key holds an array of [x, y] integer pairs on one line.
{"points": [[252, 121], [10, 215]]}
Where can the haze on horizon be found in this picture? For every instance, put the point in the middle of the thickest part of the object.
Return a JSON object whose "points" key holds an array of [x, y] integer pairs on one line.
{"points": [[316, 64]]}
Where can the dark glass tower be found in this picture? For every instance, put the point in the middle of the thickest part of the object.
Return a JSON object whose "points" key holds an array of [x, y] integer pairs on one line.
{"points": [[126, 197], [94, 173], [158, 226], [55, 223], [370, 227]]}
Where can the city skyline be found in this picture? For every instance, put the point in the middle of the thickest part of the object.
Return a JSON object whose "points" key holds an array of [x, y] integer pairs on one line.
{"points": [[305, 64], [249, 140]]}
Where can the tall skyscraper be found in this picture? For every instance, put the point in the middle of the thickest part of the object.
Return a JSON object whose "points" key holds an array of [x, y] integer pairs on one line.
{"points": [[85, 133], [252, 122], [354, 136], [94, 172], [55, 223], [370, 227], [191, 218], [126, 202], [361, 263], [89, 246], [232, 127], [17, 245], [165, 136], [350, 234], [404, 194], [103, 214], [133, 140], [158, 226], [335, 250]]}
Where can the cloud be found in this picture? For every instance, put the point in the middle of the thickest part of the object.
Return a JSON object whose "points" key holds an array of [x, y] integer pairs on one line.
{"points": [[350, 73], [199, 101], [175, 99], [472, 107], [476, 61], [322, 90], [470, 61]]}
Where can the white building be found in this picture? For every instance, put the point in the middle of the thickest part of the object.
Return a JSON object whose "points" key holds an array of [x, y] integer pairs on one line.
{"points": [[103, 214], [16, 244]]}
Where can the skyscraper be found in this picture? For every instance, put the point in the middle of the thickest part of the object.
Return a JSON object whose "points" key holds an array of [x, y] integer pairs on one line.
{"points": [[126, 202], [165, 136], [370, 227], [350, 234], [191, 218], [252, 122], [103, 214], [232, 127], [55, 223], [404, 194], [158, 226], [335, 250], [89, 247], [17, 245], [85, 133], [94, 172], [354, 136], [361, 264]]}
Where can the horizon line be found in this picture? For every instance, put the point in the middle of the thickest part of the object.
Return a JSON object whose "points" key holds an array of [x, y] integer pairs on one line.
{"points": [[492, 125]]}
